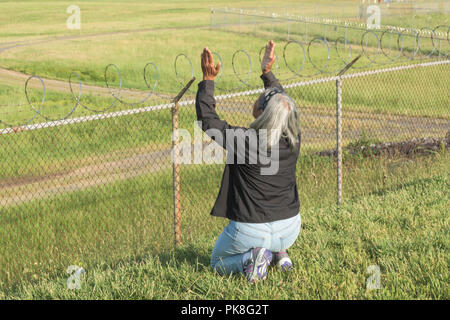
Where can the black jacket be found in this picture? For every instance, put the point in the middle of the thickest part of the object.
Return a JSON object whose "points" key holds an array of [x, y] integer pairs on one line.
{"points": [[247, 195]]}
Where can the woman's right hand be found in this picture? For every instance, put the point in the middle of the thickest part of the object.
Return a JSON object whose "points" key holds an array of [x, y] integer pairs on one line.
{"points": [[269, 57], [209, 70]]}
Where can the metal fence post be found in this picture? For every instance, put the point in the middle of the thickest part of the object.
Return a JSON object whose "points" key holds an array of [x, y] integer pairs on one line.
{"points": [[176, 177], [339, 128], [339, 138], [176, 166]]}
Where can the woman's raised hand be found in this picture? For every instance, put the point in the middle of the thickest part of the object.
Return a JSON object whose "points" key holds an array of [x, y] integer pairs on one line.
{"points": [[209, 71], [269, 57]]}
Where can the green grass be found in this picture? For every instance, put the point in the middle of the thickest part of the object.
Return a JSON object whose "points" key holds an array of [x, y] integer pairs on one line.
{"points": [[28, 20], [130, 52], [31, 20], [387, 93], [90, 56], [398, 223]]}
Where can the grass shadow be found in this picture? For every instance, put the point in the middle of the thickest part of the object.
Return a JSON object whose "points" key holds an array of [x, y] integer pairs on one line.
{"points": [[186, 254]]}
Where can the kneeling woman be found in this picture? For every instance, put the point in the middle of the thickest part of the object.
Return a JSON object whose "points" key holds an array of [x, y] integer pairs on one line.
{"points": [[262, 204]]}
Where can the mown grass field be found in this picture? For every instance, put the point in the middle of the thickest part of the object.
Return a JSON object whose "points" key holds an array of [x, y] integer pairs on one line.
{"points": [[130, 45], [89, 57], [30, 20], [98, 194], [394, 217]]}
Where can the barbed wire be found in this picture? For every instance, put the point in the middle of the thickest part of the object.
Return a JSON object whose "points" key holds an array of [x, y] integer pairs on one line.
{"points": [[300, 50], [221, 97]]}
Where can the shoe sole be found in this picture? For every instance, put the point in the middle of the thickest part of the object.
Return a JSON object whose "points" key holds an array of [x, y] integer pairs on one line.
{"points": [[260, 260]]}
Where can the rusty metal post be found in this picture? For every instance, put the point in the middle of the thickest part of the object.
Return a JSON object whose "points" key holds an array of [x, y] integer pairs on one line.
{"points": [[176, 165]]}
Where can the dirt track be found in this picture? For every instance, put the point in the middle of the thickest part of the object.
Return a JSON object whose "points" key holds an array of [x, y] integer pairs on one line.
{"points": [[18, 78], [107, 169], [11, 77], [4, 46], [317, 130], [130, 163]]}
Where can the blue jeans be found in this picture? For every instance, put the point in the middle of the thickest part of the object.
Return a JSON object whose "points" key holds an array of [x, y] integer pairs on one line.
{"points": [[238, 238]]}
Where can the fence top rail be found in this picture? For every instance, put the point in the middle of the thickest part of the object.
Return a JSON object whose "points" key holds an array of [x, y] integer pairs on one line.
{"points": [[218, 98], [332, 22]]}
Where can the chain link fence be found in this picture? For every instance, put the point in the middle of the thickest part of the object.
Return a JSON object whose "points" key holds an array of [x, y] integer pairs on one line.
{"points": [[101, 187], [383, 111]]}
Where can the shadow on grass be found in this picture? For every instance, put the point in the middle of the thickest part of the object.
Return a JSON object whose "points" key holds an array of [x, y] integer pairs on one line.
{"points": [[186, 254], [397, 187]]}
